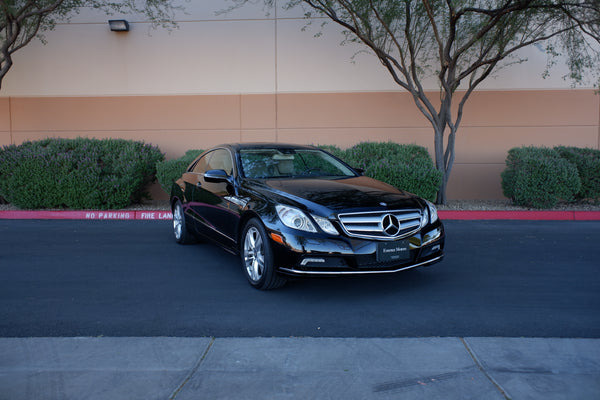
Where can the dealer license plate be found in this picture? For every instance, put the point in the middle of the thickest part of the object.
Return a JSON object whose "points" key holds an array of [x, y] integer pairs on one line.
{"points": [[393, 251]]}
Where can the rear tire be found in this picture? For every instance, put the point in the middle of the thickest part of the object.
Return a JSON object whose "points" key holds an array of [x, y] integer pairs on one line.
{"points": [[257, 257], [180, 232]]}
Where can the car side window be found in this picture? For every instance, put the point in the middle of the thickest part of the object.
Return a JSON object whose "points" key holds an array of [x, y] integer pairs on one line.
{"points": [[220, 159], [216, 159], [201, 165]]}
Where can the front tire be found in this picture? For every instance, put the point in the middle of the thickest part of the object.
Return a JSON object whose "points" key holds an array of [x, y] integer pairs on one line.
{"points": [[257, 257]]}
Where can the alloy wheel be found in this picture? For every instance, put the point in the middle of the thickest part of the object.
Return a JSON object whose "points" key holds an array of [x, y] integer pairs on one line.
{"points": [[254, 254], [178, 221]]}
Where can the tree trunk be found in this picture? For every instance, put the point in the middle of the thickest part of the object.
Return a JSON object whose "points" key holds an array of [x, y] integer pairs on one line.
{"points": [[441, 196], [439, 163], [444, 155]]}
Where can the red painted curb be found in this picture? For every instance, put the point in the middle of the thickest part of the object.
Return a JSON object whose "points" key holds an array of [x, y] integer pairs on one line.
{"points": [[587, 215], [88, 215], [520, 215], [158, 215]]}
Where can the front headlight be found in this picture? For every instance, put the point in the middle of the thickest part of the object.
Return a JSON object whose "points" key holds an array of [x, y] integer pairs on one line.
{"points": [[433, 215], [430, 214], [325, 225], [425, 217], [294, 218]]}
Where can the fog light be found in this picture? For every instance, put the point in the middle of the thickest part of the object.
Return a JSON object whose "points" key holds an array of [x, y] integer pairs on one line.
{"points": [[312, 260]]}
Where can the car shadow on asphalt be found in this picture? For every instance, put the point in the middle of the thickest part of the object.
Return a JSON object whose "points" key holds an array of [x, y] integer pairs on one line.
{"points": [[366, 285]]}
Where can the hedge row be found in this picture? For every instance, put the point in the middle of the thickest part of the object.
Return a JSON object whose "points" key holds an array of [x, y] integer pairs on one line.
{"points": [[113, 173], [540, 177], [77, 173]]}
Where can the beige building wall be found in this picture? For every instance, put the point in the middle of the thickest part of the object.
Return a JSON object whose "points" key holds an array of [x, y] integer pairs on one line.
{"points": [[245, 76]]}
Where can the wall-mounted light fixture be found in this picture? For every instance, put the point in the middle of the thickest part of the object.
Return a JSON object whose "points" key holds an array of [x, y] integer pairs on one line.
{"points": [[118, 25]]}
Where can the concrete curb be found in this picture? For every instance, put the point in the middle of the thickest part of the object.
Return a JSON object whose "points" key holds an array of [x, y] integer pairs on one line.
{"points": [[156, 215], [160, 215]]}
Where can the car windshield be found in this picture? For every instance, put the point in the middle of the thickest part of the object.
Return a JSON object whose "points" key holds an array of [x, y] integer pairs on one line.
{"points": [[291, 163]]}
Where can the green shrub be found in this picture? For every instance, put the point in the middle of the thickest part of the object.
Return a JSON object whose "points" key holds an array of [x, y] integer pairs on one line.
{"points": [[539, 177], [77, 173], [167, 172], [364, 154], [587, 162], [406, 166], [418, 176]]}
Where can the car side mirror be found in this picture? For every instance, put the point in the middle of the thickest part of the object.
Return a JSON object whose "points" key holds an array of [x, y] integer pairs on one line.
{"points": [[360, 171], [216, 176]]}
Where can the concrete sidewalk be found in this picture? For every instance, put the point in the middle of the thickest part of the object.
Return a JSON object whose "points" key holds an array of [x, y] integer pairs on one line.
{"points": [[298, 368]]}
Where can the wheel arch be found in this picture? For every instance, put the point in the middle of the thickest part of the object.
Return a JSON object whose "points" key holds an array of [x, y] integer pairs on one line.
{"points": [[173, 201], [247, 216]]}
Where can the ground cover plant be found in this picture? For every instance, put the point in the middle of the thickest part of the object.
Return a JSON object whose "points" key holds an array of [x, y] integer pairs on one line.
{"points": [[77, 173]]}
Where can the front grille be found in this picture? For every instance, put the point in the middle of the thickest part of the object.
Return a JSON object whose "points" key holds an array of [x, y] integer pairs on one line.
{"points": [[370, 225]]}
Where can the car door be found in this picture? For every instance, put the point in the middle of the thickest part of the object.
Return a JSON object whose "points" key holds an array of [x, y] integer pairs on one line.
{"points": [[191, 179], [217, 215]]}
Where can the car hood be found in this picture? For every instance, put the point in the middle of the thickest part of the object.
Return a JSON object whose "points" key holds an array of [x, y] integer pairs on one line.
{"points": [[347, 194]]}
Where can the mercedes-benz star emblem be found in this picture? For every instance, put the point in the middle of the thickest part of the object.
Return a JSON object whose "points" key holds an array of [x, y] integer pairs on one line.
{"points": [[390, 225]]}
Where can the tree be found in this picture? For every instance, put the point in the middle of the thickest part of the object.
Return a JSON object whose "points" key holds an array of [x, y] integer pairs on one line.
{"points": [[23, 20], [461, 43]]}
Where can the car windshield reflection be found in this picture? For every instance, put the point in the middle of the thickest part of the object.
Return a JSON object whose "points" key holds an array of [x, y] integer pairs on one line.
{"points": [[291, 163]]}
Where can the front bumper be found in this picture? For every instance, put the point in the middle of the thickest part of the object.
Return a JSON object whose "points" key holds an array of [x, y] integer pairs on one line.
{"points": [[311, 254]]}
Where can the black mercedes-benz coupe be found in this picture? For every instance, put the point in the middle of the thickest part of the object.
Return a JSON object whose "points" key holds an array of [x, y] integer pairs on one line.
{"points": [[291, 210]]}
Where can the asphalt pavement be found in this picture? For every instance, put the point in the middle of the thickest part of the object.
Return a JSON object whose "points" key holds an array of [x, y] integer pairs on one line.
{"points": [[305, 367]]}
